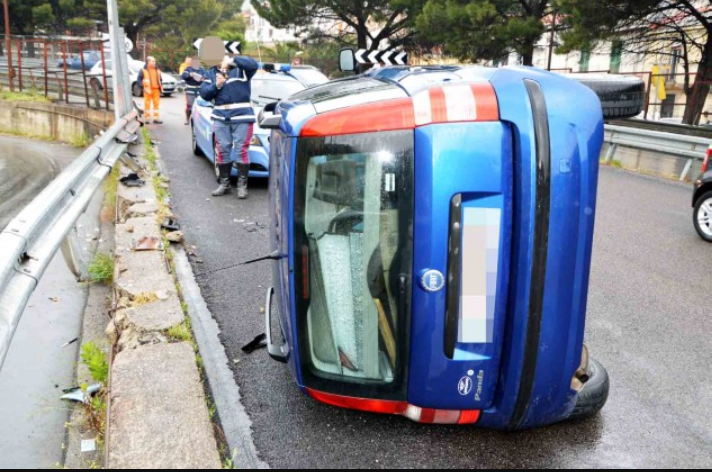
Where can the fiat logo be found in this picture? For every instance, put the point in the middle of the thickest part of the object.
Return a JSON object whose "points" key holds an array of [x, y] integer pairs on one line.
{"points": [[433, 281]]}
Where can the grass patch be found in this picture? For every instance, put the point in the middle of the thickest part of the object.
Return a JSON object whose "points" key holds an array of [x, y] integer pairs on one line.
{"points": [[23, 134], [80, 140], [111, 188], [31, 95], [616, 164], [144, 299], [101, 269], [181, 332]]}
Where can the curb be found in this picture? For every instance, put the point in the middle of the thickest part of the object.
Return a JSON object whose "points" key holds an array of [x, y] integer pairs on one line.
{"points": [[158, 413]]}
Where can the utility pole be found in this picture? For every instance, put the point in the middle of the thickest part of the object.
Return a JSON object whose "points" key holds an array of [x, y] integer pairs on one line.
{"points": [[8, 48]]}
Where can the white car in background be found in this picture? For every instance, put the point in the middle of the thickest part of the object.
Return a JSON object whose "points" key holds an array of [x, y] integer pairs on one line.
{"points": [[96, 80]]}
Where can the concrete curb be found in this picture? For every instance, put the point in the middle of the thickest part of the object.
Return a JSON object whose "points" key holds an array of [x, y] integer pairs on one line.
{"points": [[159, 416]]}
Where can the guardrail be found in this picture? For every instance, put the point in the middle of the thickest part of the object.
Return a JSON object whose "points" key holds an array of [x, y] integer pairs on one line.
{"points": [[688, 147], [31, 240]]}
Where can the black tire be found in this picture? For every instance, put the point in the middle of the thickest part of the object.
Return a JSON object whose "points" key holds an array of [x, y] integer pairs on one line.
{"points": [[196, 149], [702, 208], [621, 97], [137, 90], [594, 394]]}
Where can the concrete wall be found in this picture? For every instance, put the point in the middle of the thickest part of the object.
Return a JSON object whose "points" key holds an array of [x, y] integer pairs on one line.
{"points": [[47, 120], [655, 163]]}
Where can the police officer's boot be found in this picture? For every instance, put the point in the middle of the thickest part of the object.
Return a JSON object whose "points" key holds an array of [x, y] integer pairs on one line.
{"points": [[242, 173], [224, 188]]}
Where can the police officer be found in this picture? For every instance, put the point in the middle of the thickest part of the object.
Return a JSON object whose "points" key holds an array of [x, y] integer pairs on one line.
{"points": [[229, 87], [193, 75]]}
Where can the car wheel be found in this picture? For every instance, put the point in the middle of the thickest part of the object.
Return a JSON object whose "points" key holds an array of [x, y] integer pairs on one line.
{"points": [[622, 97], [594, 395], [196, 149], [703, 217], [137, 89]]}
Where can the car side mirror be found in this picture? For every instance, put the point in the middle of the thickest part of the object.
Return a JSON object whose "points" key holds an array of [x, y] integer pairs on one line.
{"points": [[347, 60], [268, 119]]}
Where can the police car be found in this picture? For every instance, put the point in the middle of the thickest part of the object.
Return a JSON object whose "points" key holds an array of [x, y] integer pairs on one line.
{"points": [[273, 83]]}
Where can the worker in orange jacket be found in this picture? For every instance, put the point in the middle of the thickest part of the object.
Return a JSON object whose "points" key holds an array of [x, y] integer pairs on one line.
{"points": [[150, 79]]}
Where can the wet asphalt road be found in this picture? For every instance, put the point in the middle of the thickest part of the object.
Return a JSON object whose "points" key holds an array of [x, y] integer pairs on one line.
{"points": [[26, 167], [648, 323], [32, 417]]}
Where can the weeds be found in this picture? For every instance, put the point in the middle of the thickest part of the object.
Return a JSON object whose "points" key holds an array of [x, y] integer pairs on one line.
{"points": [[31, 95], [181, 332], [95, 360], [80, 140], [101, 269]]}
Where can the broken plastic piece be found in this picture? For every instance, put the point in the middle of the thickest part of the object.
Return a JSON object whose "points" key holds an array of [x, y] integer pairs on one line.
{"points": [[170, 225], [132, 180], [260, 342], [70, 342], [78, 395], [88, 445]]}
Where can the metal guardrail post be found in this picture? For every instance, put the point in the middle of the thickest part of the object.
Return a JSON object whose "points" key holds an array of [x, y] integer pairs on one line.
{"points": [[46, 67], [84, 74], [71, 250], [686, 171], [611, 152], [66, 77], [19, 63]]}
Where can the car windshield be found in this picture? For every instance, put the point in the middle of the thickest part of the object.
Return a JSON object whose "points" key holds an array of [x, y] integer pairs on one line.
{"points": [[269, 90], [309, 77]]}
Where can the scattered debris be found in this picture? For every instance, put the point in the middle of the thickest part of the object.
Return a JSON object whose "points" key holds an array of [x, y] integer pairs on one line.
{"points": [[54, 299], [88, 445], [262, 310], [260, 342], [176, 237], [132, 180], [70, 342], [148, 243], [80, 396], [170, 225], [163, 295]]}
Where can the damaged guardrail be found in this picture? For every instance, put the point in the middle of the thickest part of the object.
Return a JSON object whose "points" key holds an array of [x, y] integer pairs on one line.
{"points": [[678, 145], [31, 240]]}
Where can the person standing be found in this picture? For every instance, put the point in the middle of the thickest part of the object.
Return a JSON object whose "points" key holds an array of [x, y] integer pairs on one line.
{"points": [[150, 79], [193, 76], [229, 87]]}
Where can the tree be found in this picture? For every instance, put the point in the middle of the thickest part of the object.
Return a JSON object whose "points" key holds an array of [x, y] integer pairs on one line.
{"points": [[484, 29], [376, 24], [650, 27]]}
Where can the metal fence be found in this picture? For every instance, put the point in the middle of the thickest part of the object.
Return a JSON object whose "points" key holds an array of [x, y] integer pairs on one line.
{"points": [[59, 68], [31, 240]]}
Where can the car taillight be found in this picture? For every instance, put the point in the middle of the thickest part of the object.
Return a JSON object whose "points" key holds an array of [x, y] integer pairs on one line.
{"points": [[412, 412], [705, 164]]}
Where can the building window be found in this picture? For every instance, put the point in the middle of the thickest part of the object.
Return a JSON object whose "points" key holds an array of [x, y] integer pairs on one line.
{"points": [[585, 61], [616, 57]]}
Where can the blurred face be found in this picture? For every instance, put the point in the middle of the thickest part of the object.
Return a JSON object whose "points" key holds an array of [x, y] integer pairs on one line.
{"points": [[151, 62]]}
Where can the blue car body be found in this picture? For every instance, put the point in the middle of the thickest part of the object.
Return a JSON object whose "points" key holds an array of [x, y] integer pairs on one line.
{"points": [[91, 58], [480, 294]]}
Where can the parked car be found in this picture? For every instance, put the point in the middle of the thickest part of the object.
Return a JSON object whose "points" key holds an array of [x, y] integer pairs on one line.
{"points": [[91, 58], [702, 201], [310, 76], [272, 84], [170, 84]]}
